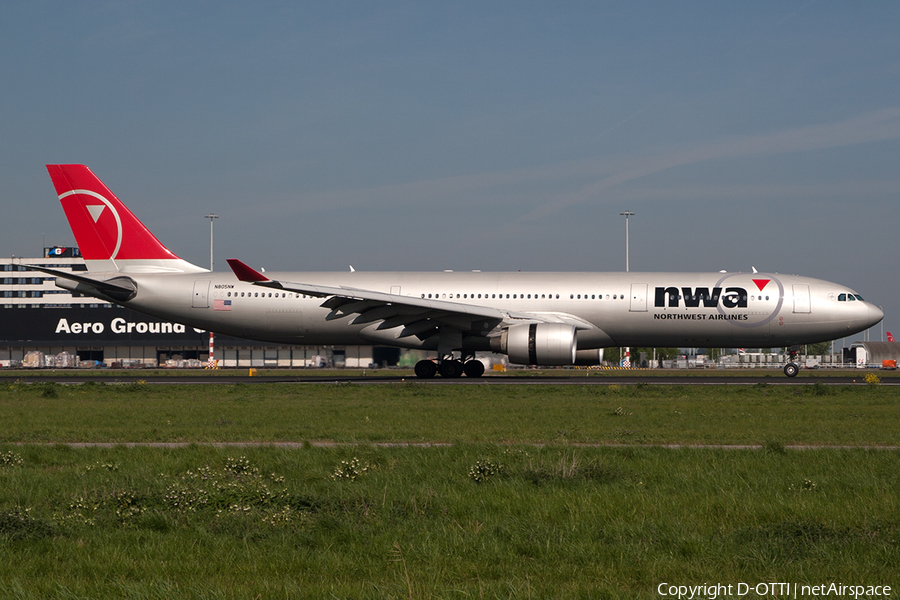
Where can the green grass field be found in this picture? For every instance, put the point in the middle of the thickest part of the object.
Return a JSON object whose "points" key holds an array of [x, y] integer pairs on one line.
{"points": [[630, 414], [515, 507]]}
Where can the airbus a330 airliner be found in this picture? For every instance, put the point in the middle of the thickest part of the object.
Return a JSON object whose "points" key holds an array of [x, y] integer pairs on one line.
{"points": [[533, 318]]}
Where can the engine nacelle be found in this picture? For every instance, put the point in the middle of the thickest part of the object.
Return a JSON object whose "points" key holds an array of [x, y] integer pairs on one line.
{"points": [[538, 344]]}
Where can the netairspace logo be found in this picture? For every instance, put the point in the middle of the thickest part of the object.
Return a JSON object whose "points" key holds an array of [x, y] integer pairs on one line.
{"points": [[723, 591]]}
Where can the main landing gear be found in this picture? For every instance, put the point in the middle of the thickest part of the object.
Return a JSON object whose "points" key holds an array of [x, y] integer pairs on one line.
{"points": [[792, 368], [449, 368]]}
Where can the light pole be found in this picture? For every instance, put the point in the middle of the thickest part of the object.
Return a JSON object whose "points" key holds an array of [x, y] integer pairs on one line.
{"points": [[211, 216], [211, 360], [626, 214], [627, 362]]}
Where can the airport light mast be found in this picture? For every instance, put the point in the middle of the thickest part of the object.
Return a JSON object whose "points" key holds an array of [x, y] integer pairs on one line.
{"points": [[211, 216], [211, 361], [626, 214]]}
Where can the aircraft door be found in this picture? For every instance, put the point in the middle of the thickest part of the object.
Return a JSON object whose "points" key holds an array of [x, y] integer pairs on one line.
{"points": [[801, 298], [201, 294], [638, 297]]}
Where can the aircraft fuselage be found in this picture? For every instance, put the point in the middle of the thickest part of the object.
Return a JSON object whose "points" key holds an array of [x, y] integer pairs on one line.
{"points": [[625, 309]]}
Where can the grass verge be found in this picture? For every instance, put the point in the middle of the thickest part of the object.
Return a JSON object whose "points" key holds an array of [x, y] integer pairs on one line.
{"points": [[468, 520], [636, 414]]}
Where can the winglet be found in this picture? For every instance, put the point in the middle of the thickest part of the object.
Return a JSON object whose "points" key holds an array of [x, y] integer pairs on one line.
{"points": [[244, 272]]}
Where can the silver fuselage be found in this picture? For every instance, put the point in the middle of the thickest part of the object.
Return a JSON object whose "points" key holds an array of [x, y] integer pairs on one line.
{"points": [[622, 309]]}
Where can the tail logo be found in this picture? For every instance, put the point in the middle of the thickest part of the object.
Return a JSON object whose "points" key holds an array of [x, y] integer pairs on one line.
{"points": [[103, 230], [96, 210]]}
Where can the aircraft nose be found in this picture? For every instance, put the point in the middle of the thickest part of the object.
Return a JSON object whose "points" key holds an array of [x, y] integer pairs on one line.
{"points": [[874, 315]]}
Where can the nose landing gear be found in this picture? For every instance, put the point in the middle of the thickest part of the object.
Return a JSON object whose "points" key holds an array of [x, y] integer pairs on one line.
{"points": [[792, 368]]}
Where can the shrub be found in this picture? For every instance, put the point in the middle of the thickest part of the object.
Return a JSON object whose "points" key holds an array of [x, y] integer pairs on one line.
{"points": [[483, 470], [10, 459], [873, 378], [350, 470]]}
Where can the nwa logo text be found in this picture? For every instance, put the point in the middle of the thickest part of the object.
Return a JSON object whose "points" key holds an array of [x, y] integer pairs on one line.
{"points": [[734, 297]]}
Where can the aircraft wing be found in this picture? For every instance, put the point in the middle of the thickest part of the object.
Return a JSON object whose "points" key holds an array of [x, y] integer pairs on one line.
{"points": [[416, 315]]}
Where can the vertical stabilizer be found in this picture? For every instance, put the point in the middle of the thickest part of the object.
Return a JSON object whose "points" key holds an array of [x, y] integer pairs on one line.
{"points": [[109, 236]]}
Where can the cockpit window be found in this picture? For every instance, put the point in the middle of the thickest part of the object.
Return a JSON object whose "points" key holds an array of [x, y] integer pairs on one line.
{"points": [[850, 298]]}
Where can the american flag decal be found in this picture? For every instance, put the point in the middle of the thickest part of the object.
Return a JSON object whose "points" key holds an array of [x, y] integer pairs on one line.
{"points": [[221, 304]]}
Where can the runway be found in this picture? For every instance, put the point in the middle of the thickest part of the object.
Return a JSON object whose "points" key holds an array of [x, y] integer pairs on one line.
{"points": [[576, 378]]}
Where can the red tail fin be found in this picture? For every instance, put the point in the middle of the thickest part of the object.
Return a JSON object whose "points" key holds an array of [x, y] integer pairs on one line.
{"points": [[890, 338], [110, 237], [104, 228]]}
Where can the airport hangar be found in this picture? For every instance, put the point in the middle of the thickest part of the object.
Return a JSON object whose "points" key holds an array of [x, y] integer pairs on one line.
{"points": [[42, 325]]}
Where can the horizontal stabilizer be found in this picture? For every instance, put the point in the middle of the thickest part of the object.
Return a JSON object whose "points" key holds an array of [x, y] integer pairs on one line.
{"points": [[119, 288]]}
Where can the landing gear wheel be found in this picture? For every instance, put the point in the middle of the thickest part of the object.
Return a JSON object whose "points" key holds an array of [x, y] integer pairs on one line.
{"points": [[451, 369], [791, 369], [425, 369], [474, 368]]}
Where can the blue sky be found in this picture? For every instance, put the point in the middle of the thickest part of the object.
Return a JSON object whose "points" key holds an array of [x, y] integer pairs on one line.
{"points": [[469, 135]]}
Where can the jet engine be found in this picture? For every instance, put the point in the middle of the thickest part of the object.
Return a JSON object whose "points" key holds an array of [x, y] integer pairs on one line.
{"points": [[537, 344]]}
